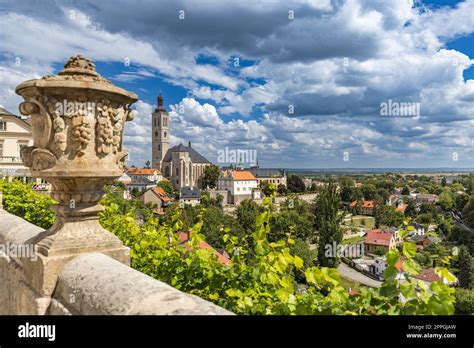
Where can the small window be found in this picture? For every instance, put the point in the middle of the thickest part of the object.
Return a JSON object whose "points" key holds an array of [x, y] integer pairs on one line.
{"points": [[3, 126]]}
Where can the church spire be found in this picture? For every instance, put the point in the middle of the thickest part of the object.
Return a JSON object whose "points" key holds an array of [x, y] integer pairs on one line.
{"points": [[159, 104]]}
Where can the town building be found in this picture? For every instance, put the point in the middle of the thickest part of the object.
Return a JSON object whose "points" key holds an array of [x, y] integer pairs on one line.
{"points": [[151, 174], [156, 196], [427, 198], [15, 134], [182, 165], [143, 179], [364, 207], [276, 177], [378, 240], [190, 195], [240, 185]]}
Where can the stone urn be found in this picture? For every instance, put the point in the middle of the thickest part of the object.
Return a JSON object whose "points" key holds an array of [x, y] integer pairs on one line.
{"points": [[78, 120]]}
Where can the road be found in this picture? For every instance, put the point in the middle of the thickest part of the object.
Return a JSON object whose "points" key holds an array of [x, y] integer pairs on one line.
{"points": [[351, 273]]}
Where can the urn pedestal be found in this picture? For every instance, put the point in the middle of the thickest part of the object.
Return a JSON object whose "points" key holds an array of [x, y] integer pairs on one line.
{"points": [[78, 120]]}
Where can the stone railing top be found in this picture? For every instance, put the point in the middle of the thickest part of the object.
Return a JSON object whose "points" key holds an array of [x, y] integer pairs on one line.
{"points": [[94, 284]]}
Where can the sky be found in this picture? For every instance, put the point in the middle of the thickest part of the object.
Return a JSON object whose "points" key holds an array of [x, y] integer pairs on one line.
{"points": [[303, 83]]}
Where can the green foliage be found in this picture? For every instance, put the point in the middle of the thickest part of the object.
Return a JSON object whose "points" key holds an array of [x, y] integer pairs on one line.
{"points": [[446, 200], [167, 187], [295, 183], [21, 200], [369, 191], [210, 176], [328, 223], [295, 217], [468, 212], [267, 282], [268, 189], [387, 215], [466, 269], [464, 301], [246, 213]]}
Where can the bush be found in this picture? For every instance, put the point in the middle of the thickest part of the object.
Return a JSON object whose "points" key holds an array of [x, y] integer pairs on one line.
{"points": [[20, 199], [464, 301]]}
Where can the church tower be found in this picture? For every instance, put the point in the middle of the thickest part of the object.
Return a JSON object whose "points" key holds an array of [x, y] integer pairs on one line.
{"points": [[160, 134]]}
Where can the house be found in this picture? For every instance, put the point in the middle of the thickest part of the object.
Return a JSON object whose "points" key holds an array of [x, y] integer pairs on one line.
{"points": [[15, 135], [156, 196], [401, 207], [426, 198], [378, 239], [394, 199], [276, 177], [416, 229], [421, 242], [380, 265], [141, 184], [190, 195], [125, 179], [184, 240], [151, 174], [429, 275], [241, 185], [364, 208]]}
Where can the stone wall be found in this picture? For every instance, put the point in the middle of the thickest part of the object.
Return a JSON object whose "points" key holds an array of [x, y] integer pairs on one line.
{"points": [[88, 284]]}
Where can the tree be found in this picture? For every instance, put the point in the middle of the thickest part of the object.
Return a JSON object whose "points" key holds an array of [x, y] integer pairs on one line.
{"points": [[411, 208], [295, 183], [468, 212], [347, 193], [295, 216], [210, 176], [167, 187], [446, 200], [387, 215], [328, 224], [267, 188], [461, 201], [369, 191], [246, 213], [405, 191], [148, 164], [464, 303], [466, 270]]}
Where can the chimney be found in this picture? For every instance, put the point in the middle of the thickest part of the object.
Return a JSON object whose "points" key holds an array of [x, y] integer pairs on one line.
{"points": [[189, 144]]}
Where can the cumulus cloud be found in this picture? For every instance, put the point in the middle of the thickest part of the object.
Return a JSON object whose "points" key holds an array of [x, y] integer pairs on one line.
{"points": [[310, 86]]}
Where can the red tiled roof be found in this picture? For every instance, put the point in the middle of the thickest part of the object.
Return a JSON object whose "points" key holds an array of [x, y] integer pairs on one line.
{"points": [[428, 275], [161, 194], [184, 237], [240, 175], [366, 204], [402, 207], [378, 237], [143, 171]]}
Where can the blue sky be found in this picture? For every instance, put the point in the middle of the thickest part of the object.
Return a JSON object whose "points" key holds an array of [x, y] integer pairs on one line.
{"points": [[302, 82]]}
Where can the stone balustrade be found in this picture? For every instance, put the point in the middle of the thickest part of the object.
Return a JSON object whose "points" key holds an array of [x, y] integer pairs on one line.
{"points": [[88, 284]]}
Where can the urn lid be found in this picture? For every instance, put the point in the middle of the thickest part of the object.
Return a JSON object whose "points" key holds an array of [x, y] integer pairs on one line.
{"points": [[79, 73]]}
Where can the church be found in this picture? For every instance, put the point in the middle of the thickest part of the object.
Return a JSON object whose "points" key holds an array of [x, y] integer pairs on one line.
{"points": [[182, 165]]}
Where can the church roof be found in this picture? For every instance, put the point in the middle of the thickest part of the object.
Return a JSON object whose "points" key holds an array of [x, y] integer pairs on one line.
{"points": [[195, 156]]}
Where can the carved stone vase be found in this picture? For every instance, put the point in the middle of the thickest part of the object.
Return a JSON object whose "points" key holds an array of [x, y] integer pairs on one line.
{"points": [[78, 120]]}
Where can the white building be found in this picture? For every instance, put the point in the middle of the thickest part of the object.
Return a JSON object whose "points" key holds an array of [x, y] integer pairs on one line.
{"points": [[15, 134], [240, 185]]}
